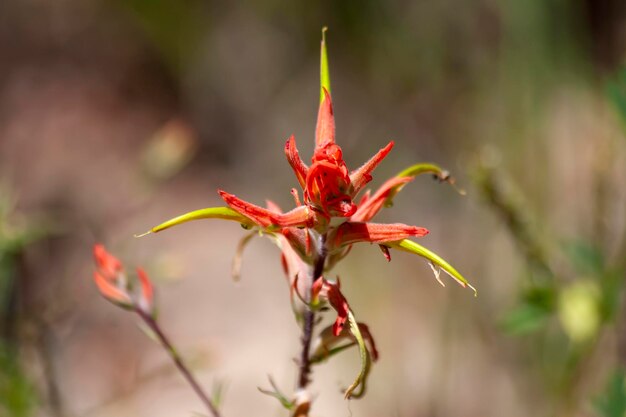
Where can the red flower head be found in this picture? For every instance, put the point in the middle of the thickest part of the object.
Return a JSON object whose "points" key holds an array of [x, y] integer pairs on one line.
{"points": [[328, 186], [113, 284]]}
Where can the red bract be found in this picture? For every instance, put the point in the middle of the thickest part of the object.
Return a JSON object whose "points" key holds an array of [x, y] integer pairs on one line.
{"points": [[330, 292], [112, 282], [108, 264], [110, 277], [328, 186]]}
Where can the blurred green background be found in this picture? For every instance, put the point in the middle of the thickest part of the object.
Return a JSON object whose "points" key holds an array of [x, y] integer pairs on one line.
{"points": [[116, 115]]}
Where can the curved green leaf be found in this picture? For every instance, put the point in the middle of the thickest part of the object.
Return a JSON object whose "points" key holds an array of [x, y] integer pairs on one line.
{"points": [[276, 393], [419, 169], [327, 345], [435, 260], [224, 213], [324, 72], [425, 168], [361, 378]]}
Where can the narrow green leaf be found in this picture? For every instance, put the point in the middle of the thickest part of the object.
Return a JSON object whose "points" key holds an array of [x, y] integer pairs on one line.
{"points": [[324, 73], [424, 168], [330, 353], [276, 393], [419, 169], [224, 213], [327, 344], [361, 378], [417, 249], [217, 393]]}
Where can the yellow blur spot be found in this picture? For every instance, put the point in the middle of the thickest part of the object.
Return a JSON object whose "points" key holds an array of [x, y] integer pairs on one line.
{"points": [[579, 310]]}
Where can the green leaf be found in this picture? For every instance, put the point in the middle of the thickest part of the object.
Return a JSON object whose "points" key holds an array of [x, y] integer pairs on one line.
{"points": [[424, 168], [224, 213], [585, 257], [324, 72], [419, 169], [612, 403], [361, 378], [435, 260], [525, 319], [327, 345], [276, 393], [217, 393]]}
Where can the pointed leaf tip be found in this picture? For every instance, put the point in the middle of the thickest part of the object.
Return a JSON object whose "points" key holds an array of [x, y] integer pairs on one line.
{"points": [[224, 213], [324, 72], [435, 260]]}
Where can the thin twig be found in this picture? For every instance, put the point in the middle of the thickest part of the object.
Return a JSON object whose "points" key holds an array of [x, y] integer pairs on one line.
{"points": [[180, 365]]}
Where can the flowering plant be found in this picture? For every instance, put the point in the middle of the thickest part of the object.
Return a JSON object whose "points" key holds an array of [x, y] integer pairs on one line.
{"points": [[312, 237]]}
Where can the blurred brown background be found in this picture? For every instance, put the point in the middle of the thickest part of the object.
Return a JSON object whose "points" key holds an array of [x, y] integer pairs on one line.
{"points": [[116, 115]]}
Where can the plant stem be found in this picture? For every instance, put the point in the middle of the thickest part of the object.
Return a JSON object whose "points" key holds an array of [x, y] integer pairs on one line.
{"points": [[309, 319], [180, 365], [514, 214], [305, 360]]}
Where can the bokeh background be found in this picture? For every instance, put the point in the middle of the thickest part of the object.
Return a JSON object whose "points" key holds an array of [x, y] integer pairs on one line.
{"points": [[116, 115]]}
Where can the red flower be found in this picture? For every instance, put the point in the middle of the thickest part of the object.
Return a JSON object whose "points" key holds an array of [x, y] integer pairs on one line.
{"points": [[322, 227], [113, 284], [329, 191]]}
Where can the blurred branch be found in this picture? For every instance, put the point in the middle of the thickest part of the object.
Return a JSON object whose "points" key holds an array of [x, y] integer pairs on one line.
{"points": [[512, 211]]}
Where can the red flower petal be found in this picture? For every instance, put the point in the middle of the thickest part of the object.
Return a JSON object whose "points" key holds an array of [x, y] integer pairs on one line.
{"points": [[259, 215], [351, 232], [110, 291], [370, 206], [340, 304], [361, 176], [300, 216], [299, 167], [325, 129], [107, 263], [147, 291], [299, 240], [327, 183]]}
